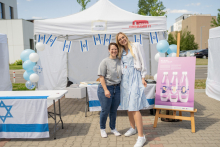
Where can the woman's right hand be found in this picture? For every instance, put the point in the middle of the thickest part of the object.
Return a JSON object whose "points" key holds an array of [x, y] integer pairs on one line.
{"points": [[107, 94]]}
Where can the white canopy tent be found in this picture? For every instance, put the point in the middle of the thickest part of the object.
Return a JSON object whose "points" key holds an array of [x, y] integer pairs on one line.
{"points": [[5, 82], [213, 80], [101, 18]]}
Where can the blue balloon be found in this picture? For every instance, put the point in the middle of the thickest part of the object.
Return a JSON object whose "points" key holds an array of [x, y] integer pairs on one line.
{"points": [[172, 49], [25, 54], [27, 74], [28, 65], [30, 85], [162, 46]]}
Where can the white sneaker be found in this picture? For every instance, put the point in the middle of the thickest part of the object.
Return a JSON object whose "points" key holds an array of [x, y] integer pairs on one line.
{"points": [[103, 133], [130, 132], [116, 132], [140, 141]]}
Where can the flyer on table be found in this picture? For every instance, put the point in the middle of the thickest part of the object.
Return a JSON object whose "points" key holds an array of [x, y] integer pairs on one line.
{"points": [[175, 83]]}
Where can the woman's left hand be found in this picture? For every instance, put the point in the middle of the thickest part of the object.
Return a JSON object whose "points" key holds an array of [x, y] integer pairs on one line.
{"points": [[144, 82]]}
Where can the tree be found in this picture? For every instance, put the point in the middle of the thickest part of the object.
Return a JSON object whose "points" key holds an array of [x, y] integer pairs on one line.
{"points": [[187, 40], [214, 22], [83, 3], [151, 8]]}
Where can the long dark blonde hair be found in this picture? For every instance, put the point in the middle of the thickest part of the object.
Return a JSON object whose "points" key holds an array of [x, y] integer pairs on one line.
{"points": [[120, 47]]}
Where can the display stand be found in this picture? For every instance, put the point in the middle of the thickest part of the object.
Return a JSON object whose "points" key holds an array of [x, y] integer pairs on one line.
{"points": [[180, 117]]}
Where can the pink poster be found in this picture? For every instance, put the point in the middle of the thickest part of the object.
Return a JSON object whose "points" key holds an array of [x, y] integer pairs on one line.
{"points": [[175, 83]]}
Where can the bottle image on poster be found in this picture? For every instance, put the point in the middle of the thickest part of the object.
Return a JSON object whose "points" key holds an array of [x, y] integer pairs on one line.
{"points": [[174, 88], [164, 89], [184, 88]]}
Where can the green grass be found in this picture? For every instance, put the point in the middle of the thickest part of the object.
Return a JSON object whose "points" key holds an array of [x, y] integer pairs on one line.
{"points": [[12, 66], [201, 61], [19, 87], [200, 84]]}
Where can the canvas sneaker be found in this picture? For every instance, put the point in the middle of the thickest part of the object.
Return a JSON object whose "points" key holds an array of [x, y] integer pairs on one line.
{"points": [[116, 132], [103, 133], [140, 142], [130, 132]]}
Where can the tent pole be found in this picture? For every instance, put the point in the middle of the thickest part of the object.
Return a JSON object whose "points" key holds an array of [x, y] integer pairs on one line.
{"points": [[67, 57]]}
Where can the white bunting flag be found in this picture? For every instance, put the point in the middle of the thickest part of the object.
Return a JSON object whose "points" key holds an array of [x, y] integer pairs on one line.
{"points": [[41, 38], [51, 40], [138, 38], [97, 39], [154, 38], [67, 46], [107, 39], [84, 45]]}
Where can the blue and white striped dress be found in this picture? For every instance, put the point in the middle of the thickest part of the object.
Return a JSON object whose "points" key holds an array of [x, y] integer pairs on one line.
{"points": [[132, 90]]}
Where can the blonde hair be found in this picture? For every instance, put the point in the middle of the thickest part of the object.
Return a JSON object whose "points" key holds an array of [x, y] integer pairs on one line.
{"points": [[120, 47]]}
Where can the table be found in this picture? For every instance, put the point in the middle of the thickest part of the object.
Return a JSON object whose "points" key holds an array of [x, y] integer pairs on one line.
{"points": [[49, 94], [93, 104]]}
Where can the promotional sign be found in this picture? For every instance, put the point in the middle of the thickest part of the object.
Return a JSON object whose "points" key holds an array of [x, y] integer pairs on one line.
{"points": [[175, 83]]}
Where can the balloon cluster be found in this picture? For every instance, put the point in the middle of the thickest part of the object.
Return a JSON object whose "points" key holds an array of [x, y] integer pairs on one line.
{"points": [[162, 48]]}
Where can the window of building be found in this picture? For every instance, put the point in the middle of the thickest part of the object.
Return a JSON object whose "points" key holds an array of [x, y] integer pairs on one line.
{"points": [[32, 44], [2, 15], [11, 12]]}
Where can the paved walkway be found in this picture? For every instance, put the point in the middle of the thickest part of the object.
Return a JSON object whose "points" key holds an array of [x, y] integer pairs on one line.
{"points": [[81, 131]]}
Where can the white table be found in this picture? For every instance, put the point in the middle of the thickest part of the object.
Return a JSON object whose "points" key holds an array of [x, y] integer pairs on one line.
{"points": [[52, 95], [93, 104]]}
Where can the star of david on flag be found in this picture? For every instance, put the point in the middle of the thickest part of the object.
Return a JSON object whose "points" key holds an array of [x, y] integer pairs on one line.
{"points": [[7, 108], [67, 46], [107, 39], [41, 38], [138, 38], [153, 37], [84, 45], [97, 39], [51, 40]]}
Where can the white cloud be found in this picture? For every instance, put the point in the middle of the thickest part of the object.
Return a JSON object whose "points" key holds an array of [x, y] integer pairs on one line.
{"points": [[193, 4], [29, 0], [208, 5], [34, 17], [177, 11]]}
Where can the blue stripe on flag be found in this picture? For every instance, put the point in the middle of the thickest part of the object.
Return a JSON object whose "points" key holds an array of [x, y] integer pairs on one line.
{"points": [[53, 41], [48, 39], [104, 39], [81, 46], [23, 97], [110, 38], [151, 38], [69, 46], [39, 38], [44, 38], [64, 45], [156, 36], [135, 40], [99, 39], [151, 101], [86, 45], [140, 39], [24, 128], [94, 39], [94, 103]]}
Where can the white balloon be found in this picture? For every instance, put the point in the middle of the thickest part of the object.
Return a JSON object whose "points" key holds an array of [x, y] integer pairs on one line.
{"points": [[158, 55], [34, 77], [172, 55], [40, 46], [155, 77], [34, 57]]}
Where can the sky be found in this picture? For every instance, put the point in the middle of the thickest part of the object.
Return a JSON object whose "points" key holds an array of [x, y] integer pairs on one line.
{"points": [[44, 9]]}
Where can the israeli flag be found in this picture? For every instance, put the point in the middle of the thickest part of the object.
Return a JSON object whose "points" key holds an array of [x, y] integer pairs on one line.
{"points": [[51, 39], [41, 38], [84, 45], [97, 39], [107, 39], [23, 117], [67, 46], [153, 38], [138, 38]]}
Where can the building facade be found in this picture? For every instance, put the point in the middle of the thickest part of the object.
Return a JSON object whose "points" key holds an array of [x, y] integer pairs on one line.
{"points": [[20, 33]]}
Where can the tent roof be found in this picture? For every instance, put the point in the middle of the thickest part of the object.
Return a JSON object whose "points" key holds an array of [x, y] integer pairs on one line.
{"points": [[102, 12], [214, 32]]}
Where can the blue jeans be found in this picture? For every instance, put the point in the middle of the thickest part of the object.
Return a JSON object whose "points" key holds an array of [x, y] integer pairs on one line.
{"points": [[109, 105]]}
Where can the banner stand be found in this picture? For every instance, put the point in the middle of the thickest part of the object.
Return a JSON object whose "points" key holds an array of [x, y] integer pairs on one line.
{"points": [[180, 117]]}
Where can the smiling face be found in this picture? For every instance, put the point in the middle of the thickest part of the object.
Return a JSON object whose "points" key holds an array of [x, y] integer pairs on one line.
{"points": [[122, 40], [113, 51]]}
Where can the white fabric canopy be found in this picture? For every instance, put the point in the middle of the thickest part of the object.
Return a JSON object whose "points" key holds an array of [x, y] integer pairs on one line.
{"points": [[213, 80], [5, 82], [113, 19]]}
